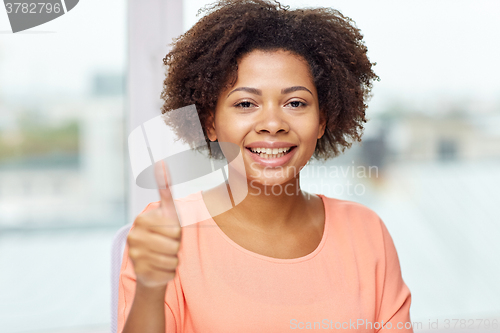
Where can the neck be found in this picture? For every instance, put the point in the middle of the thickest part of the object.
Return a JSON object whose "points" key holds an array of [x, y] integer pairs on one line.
{"points": [[268, 207]]}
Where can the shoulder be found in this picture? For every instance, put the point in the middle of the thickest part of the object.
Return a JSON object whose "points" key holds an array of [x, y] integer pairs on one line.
{"points": [[350, 211], [361, 224], [359, 232]]}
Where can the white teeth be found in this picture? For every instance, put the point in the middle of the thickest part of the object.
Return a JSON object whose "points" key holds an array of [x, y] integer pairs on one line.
{"points": [[269, 153], [270, 150]]}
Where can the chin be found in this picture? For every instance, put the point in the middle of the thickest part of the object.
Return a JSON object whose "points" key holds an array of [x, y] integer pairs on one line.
{"points": [[259, 181]]}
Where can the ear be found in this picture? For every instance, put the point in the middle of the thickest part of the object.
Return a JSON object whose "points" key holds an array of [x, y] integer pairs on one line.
{"points": [[322, 124], [210, 127]]}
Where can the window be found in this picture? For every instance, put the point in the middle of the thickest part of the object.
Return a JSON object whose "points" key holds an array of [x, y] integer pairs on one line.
{"points": [[62, 167]]}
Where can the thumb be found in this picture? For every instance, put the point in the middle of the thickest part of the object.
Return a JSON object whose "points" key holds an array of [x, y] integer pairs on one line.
{"points": [[162, 176]]}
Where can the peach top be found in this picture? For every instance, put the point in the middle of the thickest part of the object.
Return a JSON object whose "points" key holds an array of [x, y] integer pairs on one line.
{"points": [[352, 280]]}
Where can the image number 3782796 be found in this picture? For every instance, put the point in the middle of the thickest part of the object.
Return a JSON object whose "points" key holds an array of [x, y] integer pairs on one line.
{"points": [[24, 14]]}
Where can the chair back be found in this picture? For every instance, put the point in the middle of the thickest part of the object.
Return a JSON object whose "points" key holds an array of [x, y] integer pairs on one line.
{"points": [[117, 247]]}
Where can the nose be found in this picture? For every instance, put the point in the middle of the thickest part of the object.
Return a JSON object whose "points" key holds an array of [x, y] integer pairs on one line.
{"points": [[272, 120]]}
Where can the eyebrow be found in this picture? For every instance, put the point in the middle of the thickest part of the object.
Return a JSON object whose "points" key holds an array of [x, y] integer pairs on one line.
{"points": [[259, 92]]}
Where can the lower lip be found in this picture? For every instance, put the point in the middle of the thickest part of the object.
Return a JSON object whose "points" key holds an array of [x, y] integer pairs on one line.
{"points": [[272, 162]]}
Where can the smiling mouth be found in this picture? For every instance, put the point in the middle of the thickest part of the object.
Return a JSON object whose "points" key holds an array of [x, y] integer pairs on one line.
{"points": [[270, 153]]}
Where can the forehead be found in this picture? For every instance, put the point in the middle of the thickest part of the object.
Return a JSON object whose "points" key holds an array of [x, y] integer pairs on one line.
{"points": [[275, 61], [273, 69]]}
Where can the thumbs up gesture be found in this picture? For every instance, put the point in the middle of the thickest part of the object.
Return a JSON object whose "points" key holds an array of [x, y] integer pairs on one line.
{"points": [[154, 241]]}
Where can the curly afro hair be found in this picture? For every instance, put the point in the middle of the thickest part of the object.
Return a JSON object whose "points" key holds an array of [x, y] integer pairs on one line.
{"points": [[204, 61]]}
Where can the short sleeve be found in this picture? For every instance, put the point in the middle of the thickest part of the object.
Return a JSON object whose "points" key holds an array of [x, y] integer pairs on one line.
{"points": [[126, 293], [395, 296]]}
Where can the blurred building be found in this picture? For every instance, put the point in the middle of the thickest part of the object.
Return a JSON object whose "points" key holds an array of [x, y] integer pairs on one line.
{"points": [[450, 137], [74, 175]]}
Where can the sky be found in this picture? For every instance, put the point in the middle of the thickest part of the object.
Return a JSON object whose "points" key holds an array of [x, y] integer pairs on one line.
{"points": [[426, 51]]}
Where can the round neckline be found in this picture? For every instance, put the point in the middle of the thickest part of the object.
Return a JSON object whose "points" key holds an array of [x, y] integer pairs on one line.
{"points": [[261, 256]]}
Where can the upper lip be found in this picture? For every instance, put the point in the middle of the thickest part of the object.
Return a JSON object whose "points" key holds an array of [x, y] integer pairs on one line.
{"points": [[270, 144]]}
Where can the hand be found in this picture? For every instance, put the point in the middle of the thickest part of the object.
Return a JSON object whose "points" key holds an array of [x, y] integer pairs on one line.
{"points": [[155, 239]]}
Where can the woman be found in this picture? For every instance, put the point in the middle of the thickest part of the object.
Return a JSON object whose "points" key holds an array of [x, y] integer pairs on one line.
{"points": [[283, 86]]}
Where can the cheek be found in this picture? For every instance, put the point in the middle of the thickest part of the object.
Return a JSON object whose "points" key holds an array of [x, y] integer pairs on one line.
{"points": [[307, 129], [230, 128], [308, 133]]}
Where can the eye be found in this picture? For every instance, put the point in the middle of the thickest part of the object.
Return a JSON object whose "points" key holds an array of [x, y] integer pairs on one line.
{"points": [[297, 104], [244, 104]]}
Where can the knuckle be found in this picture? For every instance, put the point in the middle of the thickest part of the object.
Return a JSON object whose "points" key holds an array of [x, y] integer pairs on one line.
{"points": [[176, 231], [132, 237], [161, 262], [135, 237], [171, 247], [134, 253]]}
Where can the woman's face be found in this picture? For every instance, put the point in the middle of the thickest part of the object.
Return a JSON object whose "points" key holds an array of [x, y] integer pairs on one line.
{"points": [[272, 114]]}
